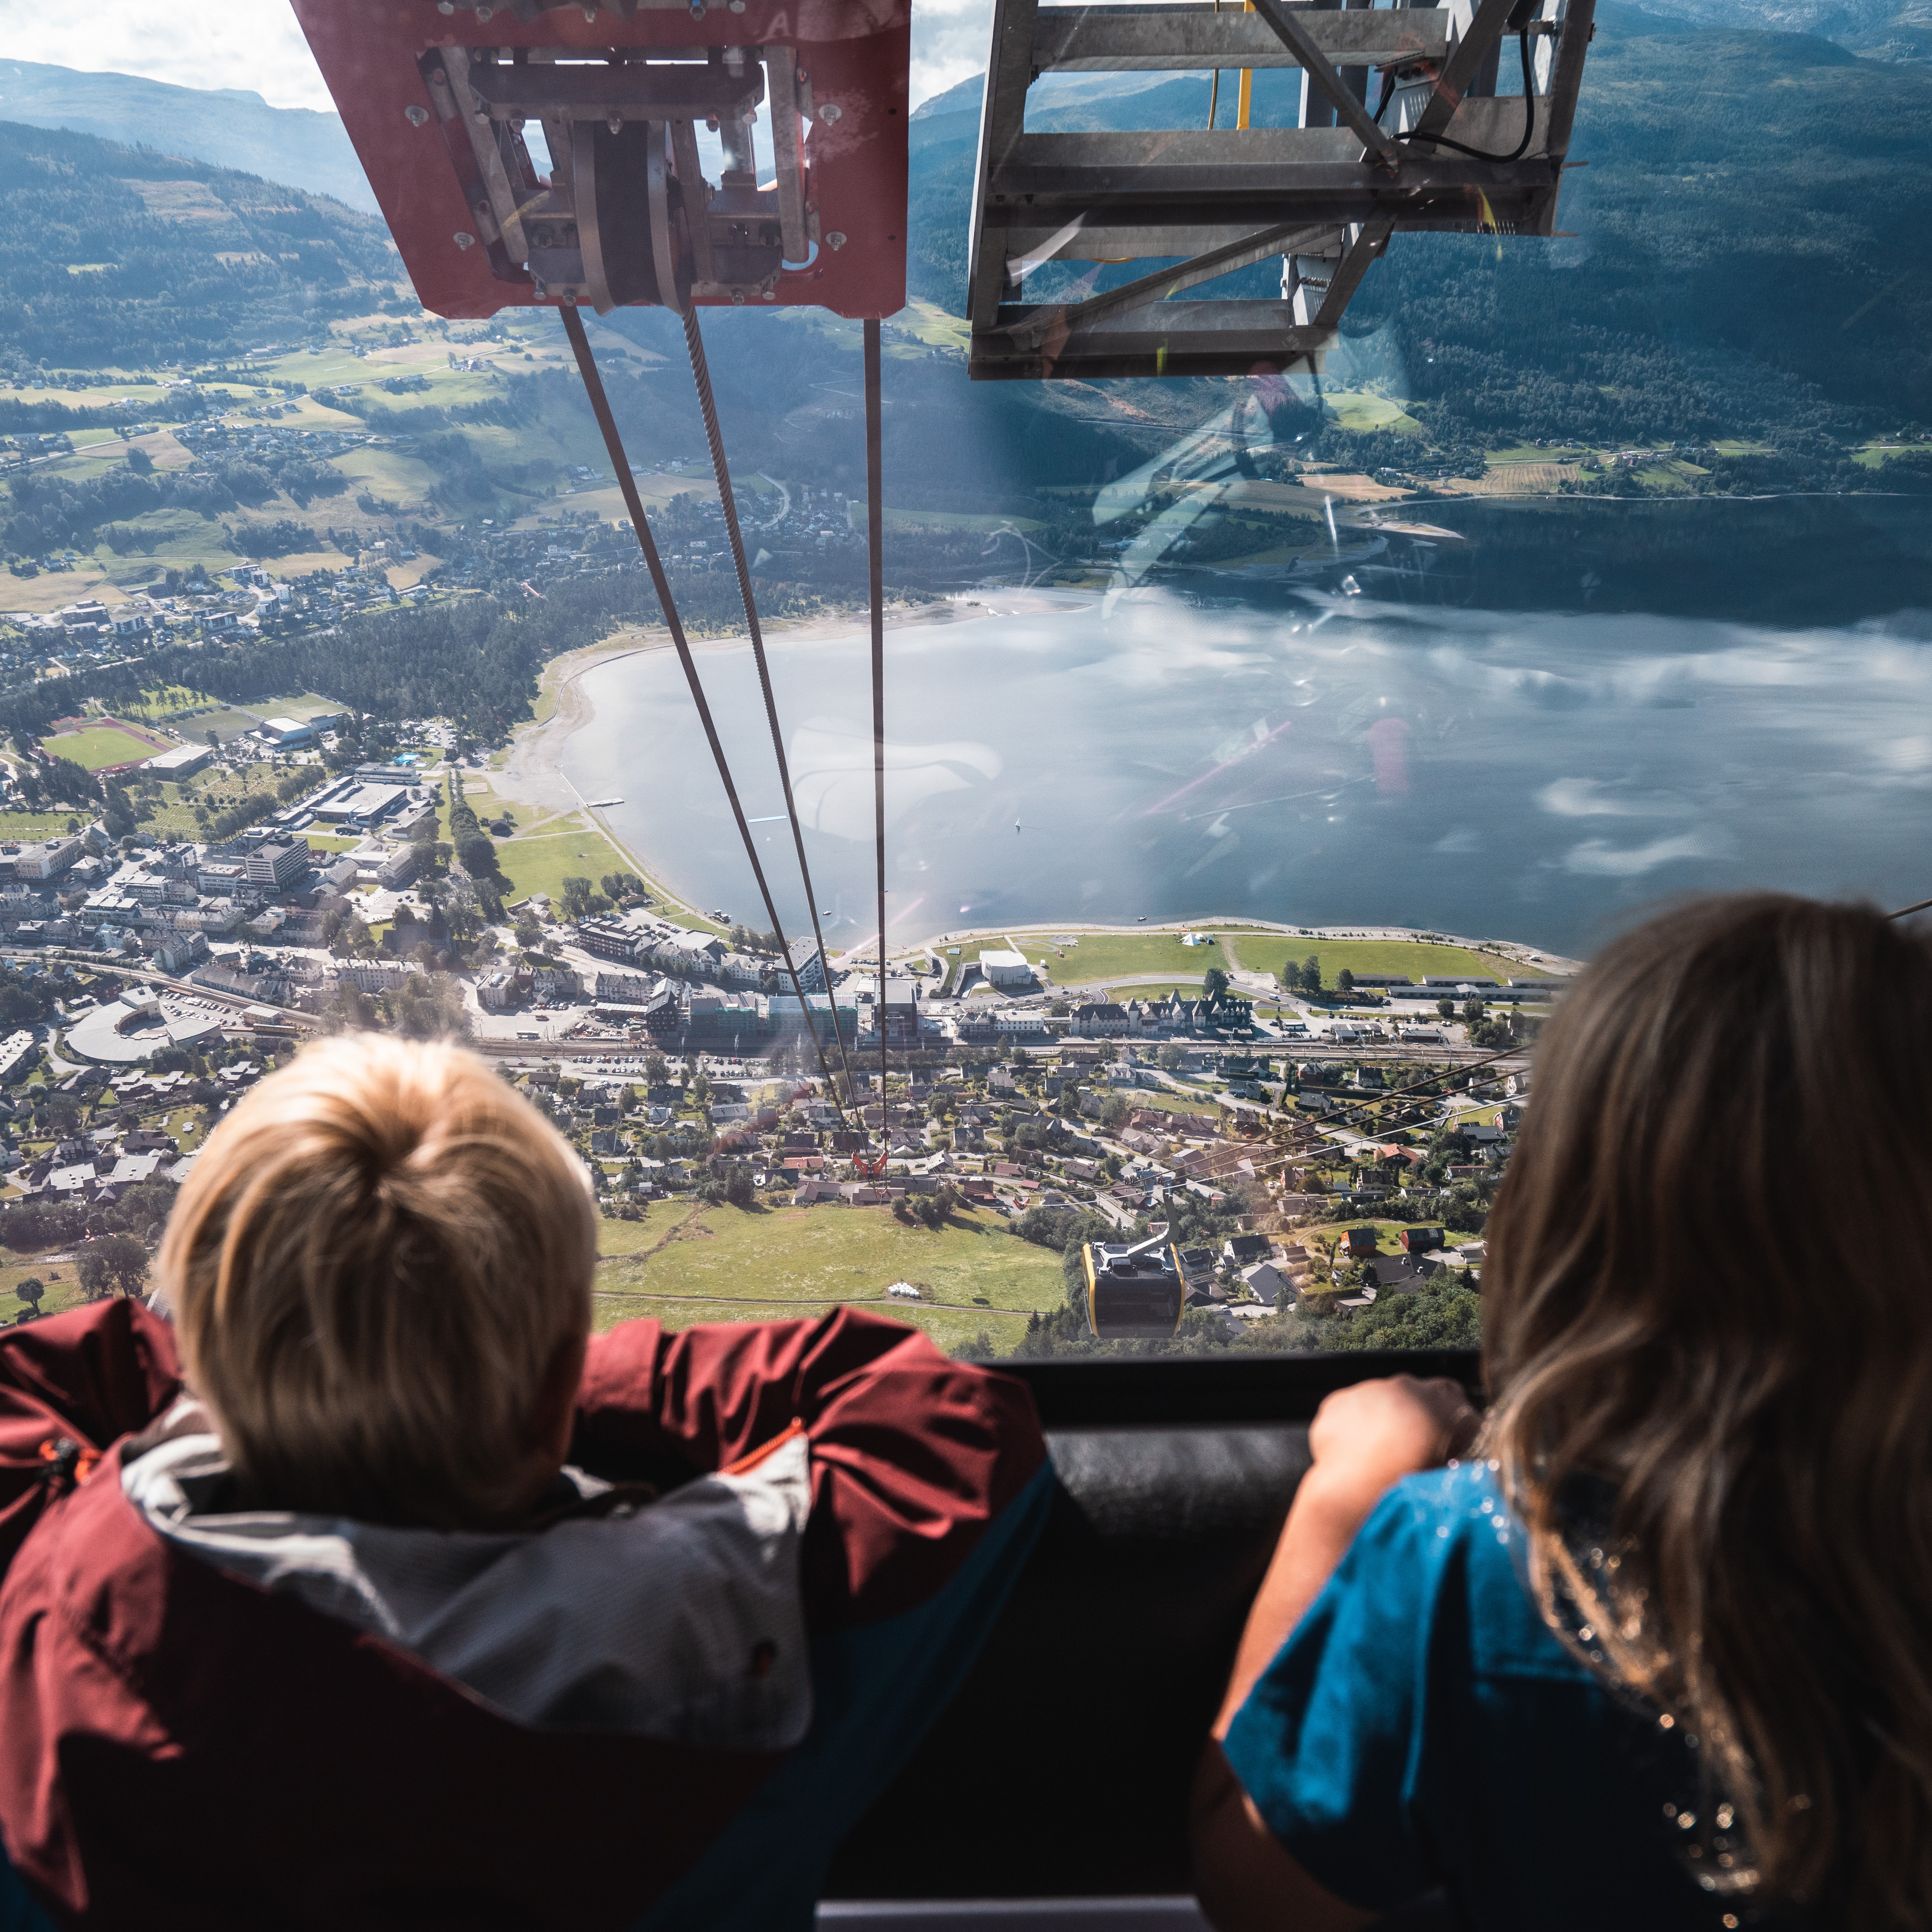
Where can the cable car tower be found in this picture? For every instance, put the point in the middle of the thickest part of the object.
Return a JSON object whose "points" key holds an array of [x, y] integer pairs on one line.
{"points": [[1434, 148]]}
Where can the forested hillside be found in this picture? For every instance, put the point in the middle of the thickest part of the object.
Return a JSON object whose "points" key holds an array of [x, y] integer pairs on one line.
{"points": [[122, 257]]}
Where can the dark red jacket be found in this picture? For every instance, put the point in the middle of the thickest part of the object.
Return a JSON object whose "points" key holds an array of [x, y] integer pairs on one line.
{"points": [[183, 1749]]}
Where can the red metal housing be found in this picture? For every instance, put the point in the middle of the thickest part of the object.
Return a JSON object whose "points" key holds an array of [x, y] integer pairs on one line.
{"points": [[481, 230]]}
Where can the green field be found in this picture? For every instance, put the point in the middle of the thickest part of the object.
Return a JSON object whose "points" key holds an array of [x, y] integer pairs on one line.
{"points": [[540, 865], [168, 701], [35, 824], [100, 745], [685, 1262], [61, 1294], [1362, 411], [1102, 956], [1100, 959], [1268, 952]]}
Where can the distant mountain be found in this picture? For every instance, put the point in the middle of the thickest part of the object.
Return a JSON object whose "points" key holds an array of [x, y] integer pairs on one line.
{"points": [[227, 126], [1882, 29]]}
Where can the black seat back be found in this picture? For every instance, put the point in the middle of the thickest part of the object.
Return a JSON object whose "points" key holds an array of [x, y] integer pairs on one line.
{"points": [[1061, 1769]]}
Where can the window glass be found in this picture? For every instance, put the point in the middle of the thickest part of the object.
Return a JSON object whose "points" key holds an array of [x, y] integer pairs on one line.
{"points": [[1263, 748]]}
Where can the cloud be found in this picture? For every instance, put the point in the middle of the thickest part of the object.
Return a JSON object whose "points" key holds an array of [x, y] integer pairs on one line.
{"points": [[253, 45], [1589, 798], [949, 40], [1599, 859], [831, 775]]}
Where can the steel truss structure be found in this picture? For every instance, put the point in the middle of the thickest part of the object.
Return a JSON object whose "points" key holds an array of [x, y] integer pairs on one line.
{"points": [[1438, 150]]}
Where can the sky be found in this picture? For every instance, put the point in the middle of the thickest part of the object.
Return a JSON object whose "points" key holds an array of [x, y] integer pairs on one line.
{"points": [[256, 44]]}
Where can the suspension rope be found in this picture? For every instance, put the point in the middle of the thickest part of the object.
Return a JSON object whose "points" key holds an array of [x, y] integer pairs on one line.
{"points": [[600, 407], [874, 548], [707, 406]]}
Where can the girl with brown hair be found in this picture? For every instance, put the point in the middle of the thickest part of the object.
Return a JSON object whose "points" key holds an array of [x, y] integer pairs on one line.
{"points": [[1659, 1653]]}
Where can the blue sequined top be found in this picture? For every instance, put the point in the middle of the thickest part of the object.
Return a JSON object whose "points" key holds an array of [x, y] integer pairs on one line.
{"points": [[1423, 1727]]}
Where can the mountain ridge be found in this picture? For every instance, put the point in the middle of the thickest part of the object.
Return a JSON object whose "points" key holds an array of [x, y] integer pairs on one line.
{"points": [[228, 127]]}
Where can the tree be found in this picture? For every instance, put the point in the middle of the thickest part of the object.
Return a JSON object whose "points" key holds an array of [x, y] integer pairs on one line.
{"points": [[657, 1069], [114, 1261], [1472, 1011], [1214, 986], [1311, 974], [1446, 1007], [30, 1292], [576, 896], [1345, 980]]}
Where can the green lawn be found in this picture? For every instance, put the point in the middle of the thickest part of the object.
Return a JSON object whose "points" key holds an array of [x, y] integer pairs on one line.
{"points": [[100, 745], [167, 701], [1362, 411], [1102, 956], [35, 824], [58, 1278], [542, 864], [737, 1264], [1266, 952]]}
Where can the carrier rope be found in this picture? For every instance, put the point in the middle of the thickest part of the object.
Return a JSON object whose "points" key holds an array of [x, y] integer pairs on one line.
{"points": [[600, 407], [874, 555], [707, 407]]}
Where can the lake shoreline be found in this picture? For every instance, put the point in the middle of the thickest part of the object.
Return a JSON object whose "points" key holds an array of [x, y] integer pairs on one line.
{"points": [[532, 770]]}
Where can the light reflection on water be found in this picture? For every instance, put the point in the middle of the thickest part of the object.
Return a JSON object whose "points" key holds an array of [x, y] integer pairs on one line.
{"points": [[1332, 761]]}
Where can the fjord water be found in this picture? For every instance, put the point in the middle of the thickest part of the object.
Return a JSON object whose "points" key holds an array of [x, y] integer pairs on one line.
{"points": [[1335, 752]]}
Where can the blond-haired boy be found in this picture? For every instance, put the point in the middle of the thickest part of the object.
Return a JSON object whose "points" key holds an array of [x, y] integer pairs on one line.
{"points": [[385, 1559]]}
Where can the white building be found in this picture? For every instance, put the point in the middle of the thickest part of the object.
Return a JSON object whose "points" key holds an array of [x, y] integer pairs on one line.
{"points": [[180, 761], [1006, 969], [15, 1051]]}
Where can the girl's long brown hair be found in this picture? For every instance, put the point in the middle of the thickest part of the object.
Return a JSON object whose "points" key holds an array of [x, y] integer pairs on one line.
{"points": [[1708, 1304]]}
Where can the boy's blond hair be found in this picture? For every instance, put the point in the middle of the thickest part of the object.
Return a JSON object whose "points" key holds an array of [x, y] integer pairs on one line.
{"points": [[372, 1267]]}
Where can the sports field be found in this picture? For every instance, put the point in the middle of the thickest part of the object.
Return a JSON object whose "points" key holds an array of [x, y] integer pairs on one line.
{"points": [[100, 745], [685, 1262]]}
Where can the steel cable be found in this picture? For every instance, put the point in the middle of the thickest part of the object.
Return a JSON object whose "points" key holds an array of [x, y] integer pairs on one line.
{"points": [[701, 373], [600, 407], [875, 549]]}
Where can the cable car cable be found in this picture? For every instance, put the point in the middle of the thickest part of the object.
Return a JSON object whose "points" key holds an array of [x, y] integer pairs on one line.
{"points": [[876, 592], [600, 407], [707, 407]]}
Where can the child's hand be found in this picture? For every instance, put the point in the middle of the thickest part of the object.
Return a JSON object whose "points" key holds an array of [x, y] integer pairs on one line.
{"points": [[1386, 1429], [1362, 1439]]}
